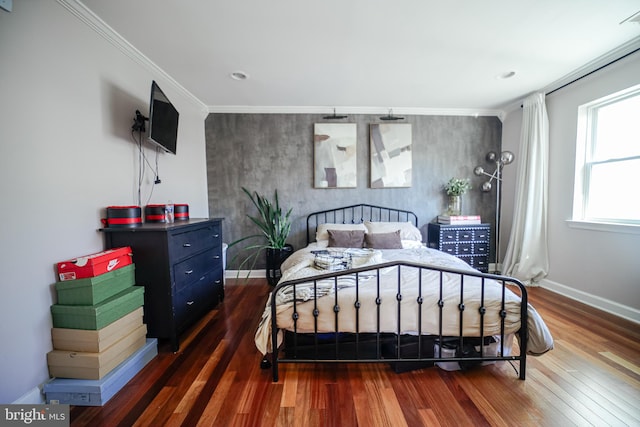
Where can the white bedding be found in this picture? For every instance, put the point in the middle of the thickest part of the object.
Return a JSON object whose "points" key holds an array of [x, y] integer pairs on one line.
{"points": [[301, 264]]}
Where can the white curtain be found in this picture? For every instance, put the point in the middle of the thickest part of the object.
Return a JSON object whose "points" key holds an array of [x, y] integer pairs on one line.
{"points": [[527, 255]]}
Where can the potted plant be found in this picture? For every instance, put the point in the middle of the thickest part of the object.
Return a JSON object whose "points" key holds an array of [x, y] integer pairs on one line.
{"points": [[274, 225], [455, 188]]}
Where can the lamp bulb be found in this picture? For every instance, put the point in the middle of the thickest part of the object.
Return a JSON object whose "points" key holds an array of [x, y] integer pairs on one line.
{"points": [[479, 170], [506, 157], [486, 186], [491, 156]]}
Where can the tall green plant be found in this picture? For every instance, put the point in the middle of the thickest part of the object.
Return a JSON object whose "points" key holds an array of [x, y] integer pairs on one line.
{"points": [[271, 221], [273, 224]]}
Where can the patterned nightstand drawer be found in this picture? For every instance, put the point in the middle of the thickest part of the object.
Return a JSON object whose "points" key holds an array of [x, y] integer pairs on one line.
{"points": [[481, 263], [465, 249], [481, 234], [465, 235], [481, 248]]}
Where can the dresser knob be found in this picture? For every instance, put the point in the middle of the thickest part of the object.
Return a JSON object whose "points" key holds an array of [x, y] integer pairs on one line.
{"points": [[189, 302], [186, 245], [188, 272], [216, 257]]}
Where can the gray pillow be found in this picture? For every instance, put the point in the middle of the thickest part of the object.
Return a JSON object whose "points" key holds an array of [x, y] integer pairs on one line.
{"points": [[346, 238], [383, 240]]}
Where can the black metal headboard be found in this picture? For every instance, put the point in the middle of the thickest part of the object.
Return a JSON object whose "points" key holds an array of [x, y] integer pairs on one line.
{"points": [[357, 214]]}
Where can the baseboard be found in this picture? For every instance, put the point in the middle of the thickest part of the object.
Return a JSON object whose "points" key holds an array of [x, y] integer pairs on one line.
{"points": [[620, 310], [32, 397], [245, 274]]}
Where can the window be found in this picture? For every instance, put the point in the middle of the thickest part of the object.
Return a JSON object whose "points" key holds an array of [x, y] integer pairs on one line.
{"points": [[607, 185]]}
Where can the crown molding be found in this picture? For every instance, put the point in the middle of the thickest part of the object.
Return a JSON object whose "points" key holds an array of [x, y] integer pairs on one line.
{"points": [[93, 21], [80, 11], [408, 111]]}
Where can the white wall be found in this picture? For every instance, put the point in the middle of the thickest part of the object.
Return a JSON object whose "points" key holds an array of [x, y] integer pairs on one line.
{"points": [[600, 268], [67, 102]]}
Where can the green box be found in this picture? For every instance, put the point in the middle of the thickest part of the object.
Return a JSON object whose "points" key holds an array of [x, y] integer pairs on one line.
{"points": [[94, 317], [94, 290]]}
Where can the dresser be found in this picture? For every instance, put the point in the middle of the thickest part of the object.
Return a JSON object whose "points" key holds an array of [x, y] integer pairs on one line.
{"points": [[467, 242], [180, 267]]}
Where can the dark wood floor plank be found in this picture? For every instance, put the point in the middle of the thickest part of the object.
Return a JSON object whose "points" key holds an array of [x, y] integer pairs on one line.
{"points": [[592, 376], [216, 400]]}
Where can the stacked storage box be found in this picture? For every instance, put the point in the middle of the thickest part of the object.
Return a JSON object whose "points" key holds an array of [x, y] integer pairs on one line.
{"points": [[97, 322], [70, 391]]}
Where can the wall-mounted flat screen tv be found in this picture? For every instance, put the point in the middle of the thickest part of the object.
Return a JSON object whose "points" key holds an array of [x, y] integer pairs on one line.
{"points": [[163, 120]]}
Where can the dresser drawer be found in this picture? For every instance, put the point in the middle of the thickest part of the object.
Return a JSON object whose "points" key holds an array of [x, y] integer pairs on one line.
{"points": [[195, 268], [187, 304], [193, 300], [185, 244]]}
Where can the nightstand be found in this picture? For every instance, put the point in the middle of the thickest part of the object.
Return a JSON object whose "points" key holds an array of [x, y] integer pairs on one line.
{"points": [[469, 242]]}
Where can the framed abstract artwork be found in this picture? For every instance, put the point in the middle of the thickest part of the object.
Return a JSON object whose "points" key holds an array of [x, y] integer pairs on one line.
{"points": [[335, 155], [390, 155]]}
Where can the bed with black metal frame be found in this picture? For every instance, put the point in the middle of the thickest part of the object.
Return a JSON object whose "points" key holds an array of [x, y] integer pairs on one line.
{"points": [[410, 308]]}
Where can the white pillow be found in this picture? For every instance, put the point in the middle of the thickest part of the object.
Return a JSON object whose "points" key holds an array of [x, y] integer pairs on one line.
{"points": [[408, 231], [322, 234]]}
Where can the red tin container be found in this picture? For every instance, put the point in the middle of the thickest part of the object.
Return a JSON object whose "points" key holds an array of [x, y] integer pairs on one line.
{"points": [[181, 212], [154, 213], [124, 216]]}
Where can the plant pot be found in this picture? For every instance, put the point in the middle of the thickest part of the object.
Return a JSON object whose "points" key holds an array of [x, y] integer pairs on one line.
{"points": [[275, 258], [455, 205]]}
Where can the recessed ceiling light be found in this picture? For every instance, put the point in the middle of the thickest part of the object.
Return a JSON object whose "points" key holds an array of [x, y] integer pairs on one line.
{"points": [[239, 75], [507, 75]]}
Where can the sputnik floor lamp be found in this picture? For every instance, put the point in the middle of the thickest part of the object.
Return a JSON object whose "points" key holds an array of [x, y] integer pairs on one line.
{"points": [[505, 158]]}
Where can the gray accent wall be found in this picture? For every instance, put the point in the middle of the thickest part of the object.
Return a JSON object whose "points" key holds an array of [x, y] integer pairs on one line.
{"points": [[265, 152]]}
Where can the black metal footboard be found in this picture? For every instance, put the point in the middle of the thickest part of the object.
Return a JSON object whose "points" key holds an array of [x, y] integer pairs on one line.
{"points": [[380, 344]]}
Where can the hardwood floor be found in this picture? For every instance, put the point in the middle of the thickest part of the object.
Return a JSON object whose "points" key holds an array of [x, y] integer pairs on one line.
{"points": [[591, 377]]}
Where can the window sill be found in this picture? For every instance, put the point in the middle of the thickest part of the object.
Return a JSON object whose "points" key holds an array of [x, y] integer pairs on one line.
{"points": [[604, 226]]}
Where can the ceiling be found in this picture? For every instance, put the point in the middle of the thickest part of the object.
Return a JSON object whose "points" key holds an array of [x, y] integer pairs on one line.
{"points": [[405, 55]]}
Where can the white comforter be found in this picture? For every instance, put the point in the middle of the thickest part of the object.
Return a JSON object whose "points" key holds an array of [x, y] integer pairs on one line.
{"points": [[301, 264]]}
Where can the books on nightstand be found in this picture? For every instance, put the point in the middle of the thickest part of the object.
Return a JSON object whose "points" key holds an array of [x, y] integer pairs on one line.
{"points": [[459, 219]]}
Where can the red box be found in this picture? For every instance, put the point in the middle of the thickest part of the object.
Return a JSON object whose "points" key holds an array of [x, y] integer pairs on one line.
{"points": [[94, 264]]}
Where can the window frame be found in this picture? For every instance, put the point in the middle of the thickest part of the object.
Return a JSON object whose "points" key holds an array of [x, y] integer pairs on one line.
{"points": [[585, 145]]}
